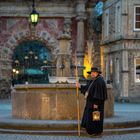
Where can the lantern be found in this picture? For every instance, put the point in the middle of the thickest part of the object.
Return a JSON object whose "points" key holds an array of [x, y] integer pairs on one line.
{"points": [[34, 15], [96, 116]]}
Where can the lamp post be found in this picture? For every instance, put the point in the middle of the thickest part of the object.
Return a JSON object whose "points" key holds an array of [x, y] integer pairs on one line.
{"points": [[34, 15], [30, 62]]}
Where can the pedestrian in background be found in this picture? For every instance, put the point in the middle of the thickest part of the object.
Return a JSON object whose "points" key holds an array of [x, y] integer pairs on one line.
{"points": [[95, 92]]}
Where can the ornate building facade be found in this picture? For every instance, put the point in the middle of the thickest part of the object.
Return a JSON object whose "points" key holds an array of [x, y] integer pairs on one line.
{"points": [[121, 45], [71, 17], [115, 49]]}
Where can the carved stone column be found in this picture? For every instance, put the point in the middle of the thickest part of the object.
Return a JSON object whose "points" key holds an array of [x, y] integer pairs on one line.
{"points": [[63, 57], [80, 35], [125, 76]]}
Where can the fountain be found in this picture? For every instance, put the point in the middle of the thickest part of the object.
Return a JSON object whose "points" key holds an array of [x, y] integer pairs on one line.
{"points": [[56, 100]]}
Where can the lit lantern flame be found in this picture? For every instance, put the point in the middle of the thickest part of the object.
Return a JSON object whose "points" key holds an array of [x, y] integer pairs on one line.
{"points": [[96, 116]]}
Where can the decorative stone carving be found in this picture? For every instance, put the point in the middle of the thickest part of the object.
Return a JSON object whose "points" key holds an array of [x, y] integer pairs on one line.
{"points": [[67, 26], [63, 57]]}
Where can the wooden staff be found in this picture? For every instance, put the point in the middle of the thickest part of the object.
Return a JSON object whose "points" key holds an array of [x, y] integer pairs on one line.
{"points": [[78, 103]]}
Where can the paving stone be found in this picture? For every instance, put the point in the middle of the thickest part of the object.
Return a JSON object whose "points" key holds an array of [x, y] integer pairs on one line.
{"points": [[39, 137]]}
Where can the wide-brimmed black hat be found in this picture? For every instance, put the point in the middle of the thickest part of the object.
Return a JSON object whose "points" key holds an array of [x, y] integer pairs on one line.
{"points": [[94, 69]]}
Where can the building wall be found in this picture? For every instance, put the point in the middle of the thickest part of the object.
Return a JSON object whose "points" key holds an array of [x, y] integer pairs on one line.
{"points": [[55, 18], [122, 45], [16, 30], [69, 17]]}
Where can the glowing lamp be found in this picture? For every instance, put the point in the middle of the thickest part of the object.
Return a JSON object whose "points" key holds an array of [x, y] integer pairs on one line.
{"points": [[14, 70], [96, 116], [17, 72], [34, 15]]}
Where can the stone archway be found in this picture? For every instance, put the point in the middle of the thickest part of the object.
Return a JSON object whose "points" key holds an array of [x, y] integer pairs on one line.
{"points": [[12, 42], [43, 37], [31, 62]]}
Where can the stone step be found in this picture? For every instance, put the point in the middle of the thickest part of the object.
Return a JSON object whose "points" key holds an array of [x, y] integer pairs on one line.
{"points": [[122, 131], [59, 125], [127, 124], [69, 132]]}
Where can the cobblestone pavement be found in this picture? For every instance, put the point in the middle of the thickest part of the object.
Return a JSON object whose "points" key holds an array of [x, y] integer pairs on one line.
{"points": [[40, 137]]}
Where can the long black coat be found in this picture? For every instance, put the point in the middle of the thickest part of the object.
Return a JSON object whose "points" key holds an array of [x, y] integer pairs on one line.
{"points": [[97, 95]]}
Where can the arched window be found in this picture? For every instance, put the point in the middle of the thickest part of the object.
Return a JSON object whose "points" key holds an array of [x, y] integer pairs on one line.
{"points": [[29, 60]]}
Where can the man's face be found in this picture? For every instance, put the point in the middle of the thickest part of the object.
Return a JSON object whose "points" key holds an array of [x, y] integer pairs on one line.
{"points": [[94, 74]]}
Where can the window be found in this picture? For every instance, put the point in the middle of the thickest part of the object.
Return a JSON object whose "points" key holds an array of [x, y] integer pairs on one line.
{"points": [[118, 18], [117, 71], [137, 70], [106, 23], [107, 71], [137, 18], [111, 70]]}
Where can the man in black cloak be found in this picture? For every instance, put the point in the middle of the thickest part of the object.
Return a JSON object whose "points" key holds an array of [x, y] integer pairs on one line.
{"points": [[95, 92]]}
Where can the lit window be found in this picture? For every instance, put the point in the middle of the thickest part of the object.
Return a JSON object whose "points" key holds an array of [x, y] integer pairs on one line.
{"points": [[137, 69], [137, 18]]}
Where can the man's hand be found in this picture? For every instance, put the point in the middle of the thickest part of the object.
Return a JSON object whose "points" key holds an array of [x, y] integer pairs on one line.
{"points": [[78, 85], [95, 106]]}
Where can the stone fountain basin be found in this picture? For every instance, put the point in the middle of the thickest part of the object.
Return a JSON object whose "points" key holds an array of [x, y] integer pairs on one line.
{"points": [[51, 102]]}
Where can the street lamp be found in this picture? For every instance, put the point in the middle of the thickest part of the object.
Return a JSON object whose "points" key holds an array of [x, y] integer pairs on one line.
{"points": [[14, 70], [34, 15]]}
